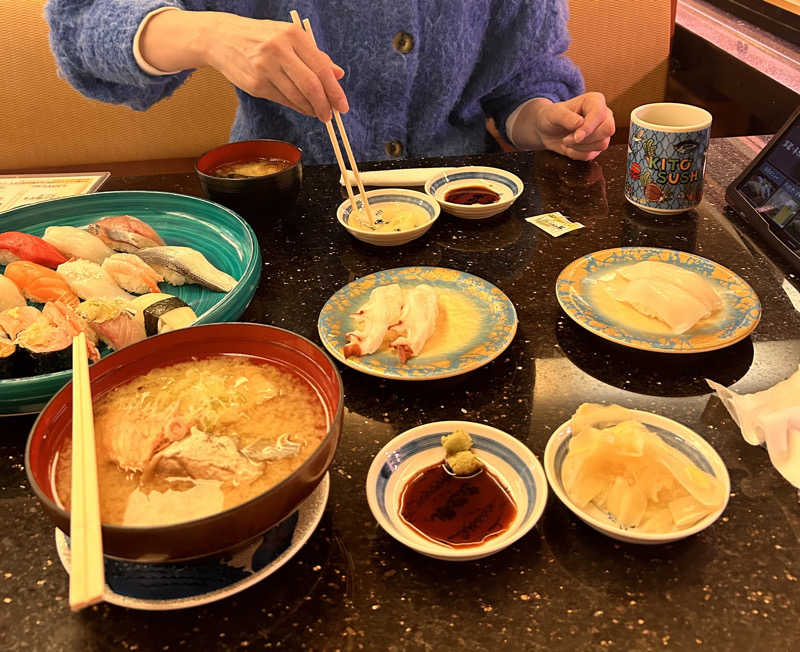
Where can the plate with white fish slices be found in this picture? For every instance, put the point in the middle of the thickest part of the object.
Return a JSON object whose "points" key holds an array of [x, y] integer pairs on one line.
{"points": [[417, 323], [97, 237], [659, 300]]}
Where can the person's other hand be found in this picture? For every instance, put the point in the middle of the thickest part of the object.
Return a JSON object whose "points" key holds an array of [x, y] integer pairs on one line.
{"points": [[278, 61], [580, 128]]}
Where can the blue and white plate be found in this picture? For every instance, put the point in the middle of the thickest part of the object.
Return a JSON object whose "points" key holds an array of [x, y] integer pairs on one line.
{"points": [[507, 185], [578, 291], [509, 460], [160, 587], [681, 438], [476, 323]]}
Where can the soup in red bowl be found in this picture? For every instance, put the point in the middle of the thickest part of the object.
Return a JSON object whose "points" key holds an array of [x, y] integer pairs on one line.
{"points": [[206, 437]]}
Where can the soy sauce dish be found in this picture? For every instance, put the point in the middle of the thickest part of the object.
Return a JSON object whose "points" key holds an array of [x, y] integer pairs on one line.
{"points": [[417, 498], [474, 192], [400, 216]]}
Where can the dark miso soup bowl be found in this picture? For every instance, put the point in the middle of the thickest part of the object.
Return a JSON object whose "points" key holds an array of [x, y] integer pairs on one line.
{"points": [[223, 530], [257, 199]]}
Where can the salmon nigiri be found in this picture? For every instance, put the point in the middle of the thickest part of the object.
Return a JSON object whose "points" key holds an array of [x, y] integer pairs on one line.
{"points": [[40, 284]]}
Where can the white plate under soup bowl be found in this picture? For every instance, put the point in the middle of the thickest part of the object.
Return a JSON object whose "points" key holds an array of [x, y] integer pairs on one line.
{"points": [[510, 461], [688, 442], [383, 196], [509, 186]]}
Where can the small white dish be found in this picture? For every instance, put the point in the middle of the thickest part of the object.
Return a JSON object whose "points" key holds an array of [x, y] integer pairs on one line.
{"points": [[509, 186], [416, 449], [688, 442], [384, 196]]}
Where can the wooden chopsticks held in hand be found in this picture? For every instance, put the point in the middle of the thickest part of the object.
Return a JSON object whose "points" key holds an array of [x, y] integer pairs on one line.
{"points": [[87, 575], [335, 142]]}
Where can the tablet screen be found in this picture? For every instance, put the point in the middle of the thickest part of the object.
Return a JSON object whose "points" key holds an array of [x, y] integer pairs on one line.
{"points": [[772, 188]]}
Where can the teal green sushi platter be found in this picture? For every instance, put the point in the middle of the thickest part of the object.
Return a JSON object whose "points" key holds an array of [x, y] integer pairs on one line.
{"points": [[223, 237]]}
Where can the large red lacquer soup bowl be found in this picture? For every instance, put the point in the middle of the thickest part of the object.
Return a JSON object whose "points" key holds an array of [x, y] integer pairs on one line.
{"points": [[225, 529]]}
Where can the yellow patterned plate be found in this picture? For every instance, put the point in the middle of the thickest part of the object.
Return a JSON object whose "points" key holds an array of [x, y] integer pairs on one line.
{"points": [[580, 292], [476, 323]]}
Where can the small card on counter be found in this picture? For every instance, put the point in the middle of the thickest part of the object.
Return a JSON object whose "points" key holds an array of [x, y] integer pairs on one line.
{"points": [[20, 189], [555, 224]]}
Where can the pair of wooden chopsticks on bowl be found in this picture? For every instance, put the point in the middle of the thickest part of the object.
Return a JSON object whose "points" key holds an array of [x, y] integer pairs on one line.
{"points": [[305, 24], [87, 574]]}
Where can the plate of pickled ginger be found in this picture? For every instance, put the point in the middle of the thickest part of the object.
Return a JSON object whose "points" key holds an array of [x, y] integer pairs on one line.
{"points": [[659, 300]]}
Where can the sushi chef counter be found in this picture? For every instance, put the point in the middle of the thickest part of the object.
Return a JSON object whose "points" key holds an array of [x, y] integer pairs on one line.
{"points": [[564, 586]]}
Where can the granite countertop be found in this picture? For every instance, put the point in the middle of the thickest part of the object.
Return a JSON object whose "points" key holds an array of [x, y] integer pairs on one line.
{"points": [[563, 586]]}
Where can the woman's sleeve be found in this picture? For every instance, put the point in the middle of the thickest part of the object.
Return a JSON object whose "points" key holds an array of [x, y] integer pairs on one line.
{"points": [[92, 41], [528, 53]]}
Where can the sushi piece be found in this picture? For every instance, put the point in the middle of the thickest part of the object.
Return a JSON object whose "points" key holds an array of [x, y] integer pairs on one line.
{"points": [[114, 320], [87, 279], [125, 233], [8, 358], [40, 284], [132, 274], [179, 265], [77, 243], [381, 310], [162, 313], [65, 318], [685, 279], [417, 321], [44, 348], [24, 246], [17, 319], [664, 301], [10, 296]]}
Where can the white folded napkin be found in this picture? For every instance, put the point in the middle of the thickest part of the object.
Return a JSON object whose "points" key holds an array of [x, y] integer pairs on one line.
{"points": [[771, 416], [401, 177]]}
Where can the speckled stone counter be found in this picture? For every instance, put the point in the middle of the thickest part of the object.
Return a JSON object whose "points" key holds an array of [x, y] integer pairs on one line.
{"points": [[563, 586]]}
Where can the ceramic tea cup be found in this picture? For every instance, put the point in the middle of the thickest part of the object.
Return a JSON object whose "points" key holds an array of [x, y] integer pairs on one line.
{"points": [[667, 156]]}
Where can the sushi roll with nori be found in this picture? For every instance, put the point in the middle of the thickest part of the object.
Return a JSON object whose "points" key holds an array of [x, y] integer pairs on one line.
{"points": [[43, 349], [162, 313], [8, 358]]}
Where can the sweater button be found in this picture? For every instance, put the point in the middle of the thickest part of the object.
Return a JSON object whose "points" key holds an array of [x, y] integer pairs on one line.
{"points": [[394, 148], [403, 42]]}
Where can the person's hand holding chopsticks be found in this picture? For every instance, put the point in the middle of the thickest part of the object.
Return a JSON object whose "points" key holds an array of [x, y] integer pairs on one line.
{"points": [[265, 58]]}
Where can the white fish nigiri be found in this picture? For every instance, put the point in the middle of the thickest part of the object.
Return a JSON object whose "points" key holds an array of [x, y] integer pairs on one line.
{"points": [[88, 280], [131, 273], [685, 279], [664, 301], [77, 243], [10, 296], [381, 310], [417, 321], [179, 265]]}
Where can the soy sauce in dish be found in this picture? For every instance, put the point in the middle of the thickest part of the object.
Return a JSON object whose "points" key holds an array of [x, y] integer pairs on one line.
{"points": [[471, 195], [458, 512]]}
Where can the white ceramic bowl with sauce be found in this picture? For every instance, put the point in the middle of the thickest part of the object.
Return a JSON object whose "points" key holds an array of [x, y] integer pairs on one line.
{"points": [[417, 201], [508, 459], [506, 185], [683, 439]]}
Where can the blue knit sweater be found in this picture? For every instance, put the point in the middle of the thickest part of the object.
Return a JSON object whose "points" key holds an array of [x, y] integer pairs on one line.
{"points": [[470, 59]]}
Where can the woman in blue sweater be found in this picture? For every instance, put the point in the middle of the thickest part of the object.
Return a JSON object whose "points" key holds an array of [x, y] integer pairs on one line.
{"points": [[420, 76]]}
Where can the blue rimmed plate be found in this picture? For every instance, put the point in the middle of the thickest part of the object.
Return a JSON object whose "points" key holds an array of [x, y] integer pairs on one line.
{"points": [[221, 235], [414, 450], [676, 435], [579, 291], [164, 586], [476, 323]]}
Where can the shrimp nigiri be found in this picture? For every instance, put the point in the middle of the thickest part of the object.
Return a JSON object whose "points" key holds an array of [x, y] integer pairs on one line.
{"points": [[24, 246], [132, 274], [40, 284]]}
